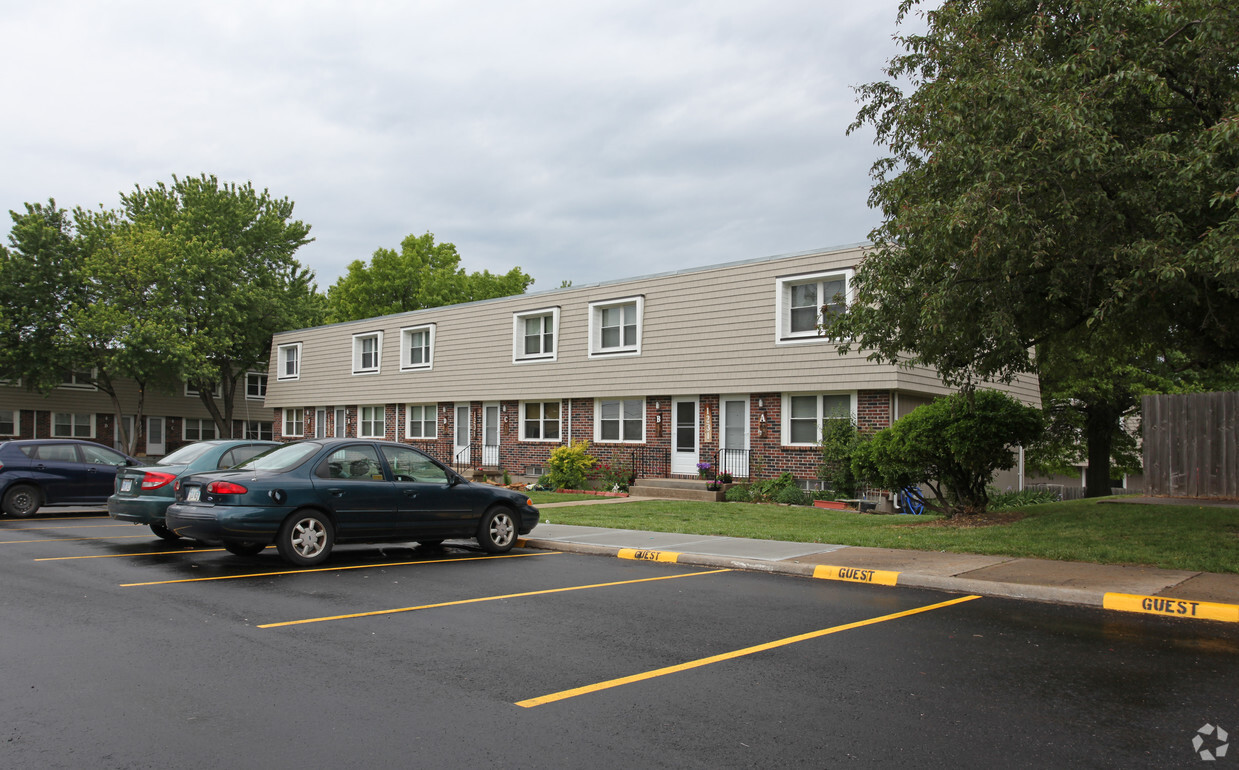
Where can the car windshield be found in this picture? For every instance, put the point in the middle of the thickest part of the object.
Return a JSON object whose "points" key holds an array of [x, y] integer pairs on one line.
{"points": [[281, 458], [185, 455]]}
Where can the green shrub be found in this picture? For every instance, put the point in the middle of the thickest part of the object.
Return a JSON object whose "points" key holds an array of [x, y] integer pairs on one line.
{"points": [[768, 489], [793, 496], [740, 493], [1004, 501], [840, 441], [568, 466]]}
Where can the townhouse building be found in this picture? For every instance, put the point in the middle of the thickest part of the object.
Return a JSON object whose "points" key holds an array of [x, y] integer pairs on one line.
{"points": [[722, 365], [78, 409]]}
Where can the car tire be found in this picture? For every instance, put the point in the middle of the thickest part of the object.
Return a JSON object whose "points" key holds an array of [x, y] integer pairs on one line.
{"points": [[161, 530], [22, 500], [306, 538], [498, 531], [244, 547]]}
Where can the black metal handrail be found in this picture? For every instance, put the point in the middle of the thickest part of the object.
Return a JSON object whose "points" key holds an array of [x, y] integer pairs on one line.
{"points": [[732, 461]]}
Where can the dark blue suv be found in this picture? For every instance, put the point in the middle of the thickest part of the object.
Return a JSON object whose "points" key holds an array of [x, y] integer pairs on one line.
{"points": [[37, 472]]}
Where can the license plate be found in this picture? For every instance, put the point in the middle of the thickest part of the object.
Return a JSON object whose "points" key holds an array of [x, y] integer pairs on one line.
{"points": [[126, 485], [193, 494]]}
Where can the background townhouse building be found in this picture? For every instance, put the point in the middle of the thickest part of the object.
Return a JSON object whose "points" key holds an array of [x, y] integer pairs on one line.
{"points": [[721, 365], [77, 409]]}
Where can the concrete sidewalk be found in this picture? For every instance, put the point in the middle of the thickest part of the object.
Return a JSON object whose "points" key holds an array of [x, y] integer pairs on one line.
{"points": [[1140, 589]]}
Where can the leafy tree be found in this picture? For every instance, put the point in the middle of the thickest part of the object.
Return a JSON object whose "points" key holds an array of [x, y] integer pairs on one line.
{"points": [[422, 274], [840, 439], [953, 445], [1062, 185], [225, 253], [71, 301]]}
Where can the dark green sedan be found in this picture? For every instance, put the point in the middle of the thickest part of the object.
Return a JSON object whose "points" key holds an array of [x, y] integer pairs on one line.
{"points": [[142, 494], [307, 496]]}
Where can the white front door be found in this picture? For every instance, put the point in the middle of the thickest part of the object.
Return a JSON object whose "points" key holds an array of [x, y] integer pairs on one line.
{"points": [[460, 440], [490, 435], [685, 453], [734, 435], [155, 440]]}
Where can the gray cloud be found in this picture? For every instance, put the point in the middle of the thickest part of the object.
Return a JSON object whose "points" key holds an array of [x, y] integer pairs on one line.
{"points": [[581, 141]]}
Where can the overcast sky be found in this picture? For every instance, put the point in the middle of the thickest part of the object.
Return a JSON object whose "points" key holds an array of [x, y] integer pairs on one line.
{"points": [[582, 140]]}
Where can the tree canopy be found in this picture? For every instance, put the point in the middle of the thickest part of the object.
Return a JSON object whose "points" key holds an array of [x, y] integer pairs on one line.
{"points": [[1062, 180], [422, 274]]}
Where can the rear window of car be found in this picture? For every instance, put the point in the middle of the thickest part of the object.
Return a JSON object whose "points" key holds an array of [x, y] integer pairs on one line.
{"points": [[241, 454], [282, 458], [185, 455]]}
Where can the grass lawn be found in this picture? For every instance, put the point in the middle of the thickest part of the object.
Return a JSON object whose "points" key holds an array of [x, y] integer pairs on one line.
{"points": [[1183, 537]]}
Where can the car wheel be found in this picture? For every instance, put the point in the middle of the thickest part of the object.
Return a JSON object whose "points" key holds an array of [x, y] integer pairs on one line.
{"points": [[498, 531], [162, 531], [244, 547], [22, 500], [306, 538]]}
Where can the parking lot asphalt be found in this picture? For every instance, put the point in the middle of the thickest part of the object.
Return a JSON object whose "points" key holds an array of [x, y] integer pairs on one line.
{"points": [[1148, 590]]}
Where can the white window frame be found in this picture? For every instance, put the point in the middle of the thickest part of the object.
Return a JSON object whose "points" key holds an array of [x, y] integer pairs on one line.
{"points": [[17, 422], [74, 384], [299, 422], [432, 410], [218, 393], [200, 421], [261, 379], [363, 425], [359, 340], [253, 429], [406, 357], [785, 429], [598, 402], [281, 361], [596, 349], [73, 424], [783, 334], [542, 421], [519, 356]]}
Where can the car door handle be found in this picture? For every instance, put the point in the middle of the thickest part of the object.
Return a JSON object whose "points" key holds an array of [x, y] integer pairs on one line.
{"points": [[90, 470], [410, 493], [335, 492]]}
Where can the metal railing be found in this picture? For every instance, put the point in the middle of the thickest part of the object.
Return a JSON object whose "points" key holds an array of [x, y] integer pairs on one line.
{"points": [[732, 461]]}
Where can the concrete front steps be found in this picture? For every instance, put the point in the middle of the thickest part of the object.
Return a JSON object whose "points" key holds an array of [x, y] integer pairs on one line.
{"points": [[676, 489]]}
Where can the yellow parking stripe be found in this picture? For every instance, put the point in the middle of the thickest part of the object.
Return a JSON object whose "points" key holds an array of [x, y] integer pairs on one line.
{"points": [[566, 694], [1170, 607], [71, 539], [487, 599], [123, 555], [334, 569]]}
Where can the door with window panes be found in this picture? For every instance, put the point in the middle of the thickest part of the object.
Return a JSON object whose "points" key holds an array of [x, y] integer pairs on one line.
{"points": [[734, 436], [490, 435], [460, 436], [685, 451]]}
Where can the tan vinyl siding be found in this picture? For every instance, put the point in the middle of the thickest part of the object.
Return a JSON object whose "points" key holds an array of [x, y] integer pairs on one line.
{"points": [[156, 404], [708, 330]]}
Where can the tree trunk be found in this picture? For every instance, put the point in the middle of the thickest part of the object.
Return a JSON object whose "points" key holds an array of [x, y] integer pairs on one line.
{"points": [[1099, 422]]}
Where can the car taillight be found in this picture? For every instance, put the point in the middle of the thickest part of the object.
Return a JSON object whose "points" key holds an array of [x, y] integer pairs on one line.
{"points": [[225, 488], [156, 480], [176, 487]]}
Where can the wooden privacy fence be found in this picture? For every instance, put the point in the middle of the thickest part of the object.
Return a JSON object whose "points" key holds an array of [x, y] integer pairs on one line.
{"points": [[1191, 445]]}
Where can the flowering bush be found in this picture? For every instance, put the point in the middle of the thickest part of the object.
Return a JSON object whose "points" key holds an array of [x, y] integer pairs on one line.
{"points": [[703, 468], [613, 478]]}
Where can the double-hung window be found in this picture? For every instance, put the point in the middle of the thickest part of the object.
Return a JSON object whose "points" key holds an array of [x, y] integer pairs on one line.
{"points": [[70, 425], [196, 429], [619, 420], [417, 346], [420, 421], [10, 422], [366, 348], [217, 391], [81, 379], [615, 327], [288, 359], [533, 335], [804, 414], [294, 422], [258, 429], [806, 302], [255, 386], [373, 421], [540, 421]]}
